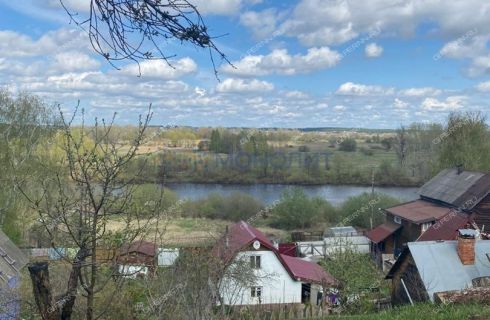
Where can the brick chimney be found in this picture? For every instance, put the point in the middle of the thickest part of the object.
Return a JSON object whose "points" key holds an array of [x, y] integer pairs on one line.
{"points": [[466, 246]]}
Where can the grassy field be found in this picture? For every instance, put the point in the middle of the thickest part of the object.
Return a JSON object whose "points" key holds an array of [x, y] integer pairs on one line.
{"points": [[427, 311], [188, 231]]}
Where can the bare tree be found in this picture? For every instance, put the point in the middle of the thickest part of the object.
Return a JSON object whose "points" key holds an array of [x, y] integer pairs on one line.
{"points": [[401, 145], [76, 206], [138, 30]]}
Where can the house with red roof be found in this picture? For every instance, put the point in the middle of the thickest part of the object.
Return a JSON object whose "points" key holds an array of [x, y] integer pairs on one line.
{"points": [[277, 278], [452, 200]]}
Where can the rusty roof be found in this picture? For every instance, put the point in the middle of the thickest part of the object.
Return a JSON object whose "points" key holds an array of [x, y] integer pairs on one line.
{"points": [[447, 227], [419, 211], [382, 232], [458, 189], [140, 246]]}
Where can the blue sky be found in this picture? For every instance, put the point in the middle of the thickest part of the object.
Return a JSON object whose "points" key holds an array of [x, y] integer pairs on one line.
{"points": [[307, 63]]}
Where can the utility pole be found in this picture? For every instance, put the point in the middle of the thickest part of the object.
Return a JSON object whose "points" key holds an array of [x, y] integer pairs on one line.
{"points": [[372, 197]]}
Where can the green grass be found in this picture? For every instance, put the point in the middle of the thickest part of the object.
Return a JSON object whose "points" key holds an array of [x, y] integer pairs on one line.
{"points": [[427, 311]]}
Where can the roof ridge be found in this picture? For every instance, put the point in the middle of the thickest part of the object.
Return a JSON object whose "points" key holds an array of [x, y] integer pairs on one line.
{"points": [[246, 226]]}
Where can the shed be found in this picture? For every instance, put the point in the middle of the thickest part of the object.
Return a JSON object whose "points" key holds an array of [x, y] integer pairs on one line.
{"points": [[439, 268], [137, 258]]}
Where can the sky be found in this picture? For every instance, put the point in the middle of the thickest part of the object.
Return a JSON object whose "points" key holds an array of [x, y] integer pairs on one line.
{"points": [[296, 64]]}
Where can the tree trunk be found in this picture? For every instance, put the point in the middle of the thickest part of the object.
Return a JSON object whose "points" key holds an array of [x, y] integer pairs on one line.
{"points": [[71, 294], [41, 287]]}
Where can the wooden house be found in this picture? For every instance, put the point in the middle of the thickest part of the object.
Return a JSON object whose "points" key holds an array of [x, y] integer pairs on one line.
{"points": [[137, 259], [12, 260], [426, 269], [450, 201]]}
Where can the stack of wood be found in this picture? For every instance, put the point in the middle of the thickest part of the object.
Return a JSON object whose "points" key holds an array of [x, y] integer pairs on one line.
{"points": [[474, 295]]}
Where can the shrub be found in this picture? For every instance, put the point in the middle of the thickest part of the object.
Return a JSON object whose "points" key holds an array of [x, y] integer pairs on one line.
{"points": [[349, 145], [360, 210], [296, 210]]}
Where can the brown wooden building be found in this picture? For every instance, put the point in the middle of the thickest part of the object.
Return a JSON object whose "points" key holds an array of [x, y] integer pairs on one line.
{"points": [[454, 196], [425, 269], [138, 258]]}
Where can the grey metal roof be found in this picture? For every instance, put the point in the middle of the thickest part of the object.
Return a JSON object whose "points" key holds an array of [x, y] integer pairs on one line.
{"points": [[465, 189], [441, 269], [12, 260]]}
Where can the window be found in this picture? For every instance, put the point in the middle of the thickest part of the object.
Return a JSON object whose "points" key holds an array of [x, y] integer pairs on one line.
{"points": [[397, 220], [426, 226], [256, 292], [255, 262]]}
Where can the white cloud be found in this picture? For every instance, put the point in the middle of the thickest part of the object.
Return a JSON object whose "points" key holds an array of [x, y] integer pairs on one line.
{"points": [[449, 104], [483, 86], [354, 89], [319, 22], [14, 44], [220, 7], [372, 50], [279, 61], [479, 66], [75, 6], [75, 61], [400, 104], [263, 24], [161, 69], [242, 85], [421, 92], [339, 108], [296, 94]]}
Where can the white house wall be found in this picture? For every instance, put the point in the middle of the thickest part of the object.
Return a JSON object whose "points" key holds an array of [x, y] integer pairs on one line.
{"points": [[277, 285]]}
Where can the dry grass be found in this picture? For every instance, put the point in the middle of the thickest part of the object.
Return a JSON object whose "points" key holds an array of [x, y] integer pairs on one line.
{"points": [[187, 231]]}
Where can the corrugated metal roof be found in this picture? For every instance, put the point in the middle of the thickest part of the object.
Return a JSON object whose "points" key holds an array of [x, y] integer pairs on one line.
{"points": [[382, 232], [441, 269], [12, 260], [465, 189], [419, 211]]}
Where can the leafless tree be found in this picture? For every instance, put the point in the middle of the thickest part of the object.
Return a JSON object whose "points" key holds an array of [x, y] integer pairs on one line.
{"points": [[138, 30], [401, 145], [77, 204]]}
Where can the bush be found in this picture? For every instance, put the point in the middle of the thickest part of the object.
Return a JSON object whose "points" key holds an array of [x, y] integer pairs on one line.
{"points": [[359, 210], [303, 149], [296, 210], [146, 197], [235, 207], [349, 145], [366, 151]]}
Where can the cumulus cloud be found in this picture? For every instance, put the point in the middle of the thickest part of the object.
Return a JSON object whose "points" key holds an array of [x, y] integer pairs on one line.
{"points": [[14, 44], [421, 92], [242, 85], [483, 86], [372, 50], [318, 22], [451, 103], [400, 104], [354, 89], [279, 61], [75, 61], [161, 69], [221, 7], [263, 24]]}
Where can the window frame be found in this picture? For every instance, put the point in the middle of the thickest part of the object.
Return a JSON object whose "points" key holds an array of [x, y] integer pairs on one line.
{"points": [[255, 261], [397, 219], [256, 291]]}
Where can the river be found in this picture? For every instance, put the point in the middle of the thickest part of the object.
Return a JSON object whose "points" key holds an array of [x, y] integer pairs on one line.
{"points": [[268, 193]]}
